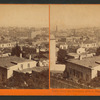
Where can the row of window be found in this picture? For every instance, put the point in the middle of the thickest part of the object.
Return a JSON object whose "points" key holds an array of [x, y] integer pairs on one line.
{"points": [[78, 74], [89, 45], [3, 45], [28, 65]]}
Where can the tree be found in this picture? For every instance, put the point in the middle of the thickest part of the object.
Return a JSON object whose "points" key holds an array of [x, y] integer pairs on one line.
{"points": [[16, 50], [29, 50], [95, 82], [61, 55], [98, 51]]}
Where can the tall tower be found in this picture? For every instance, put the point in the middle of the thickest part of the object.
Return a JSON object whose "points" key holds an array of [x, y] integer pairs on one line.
{"points": [[52, 51]]}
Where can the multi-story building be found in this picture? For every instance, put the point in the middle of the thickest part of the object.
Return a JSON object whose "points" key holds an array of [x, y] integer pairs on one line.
{"points": [[13, 63], [7, 44], [83, 68], [88, 44]]}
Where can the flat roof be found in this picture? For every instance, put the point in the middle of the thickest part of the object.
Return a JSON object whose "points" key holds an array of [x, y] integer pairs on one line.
{"points": [[88, 62], [7, 62]]}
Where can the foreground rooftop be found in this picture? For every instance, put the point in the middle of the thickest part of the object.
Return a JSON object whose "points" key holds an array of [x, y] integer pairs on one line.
{"points": [[7, 62], [89, 62]]}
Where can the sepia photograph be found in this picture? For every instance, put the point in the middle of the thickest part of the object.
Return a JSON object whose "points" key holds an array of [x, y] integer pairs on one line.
{"points": [[24, 46], [75, 46]]}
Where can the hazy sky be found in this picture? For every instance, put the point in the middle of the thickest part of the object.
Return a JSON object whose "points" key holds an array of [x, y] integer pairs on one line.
{"points": [[74, 16], [24, 15]]}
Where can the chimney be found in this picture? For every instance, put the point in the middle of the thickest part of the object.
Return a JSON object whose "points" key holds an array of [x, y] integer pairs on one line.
{"points": [[21, 48], [80, 57], [37, 50], [30, 57], [20, 55]]}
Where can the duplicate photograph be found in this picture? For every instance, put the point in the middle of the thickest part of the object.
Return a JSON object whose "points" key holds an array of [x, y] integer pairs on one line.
{"points": [[24, 46], [75, 46]]}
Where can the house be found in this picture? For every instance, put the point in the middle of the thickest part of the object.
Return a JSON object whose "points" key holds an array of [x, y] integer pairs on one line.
{"points": [[81, 50], [76, 55], [13, 63], [63, 46], [83, 68], [7, 44], [42, 58], [5, 52], [88, 44], [72, 56]]}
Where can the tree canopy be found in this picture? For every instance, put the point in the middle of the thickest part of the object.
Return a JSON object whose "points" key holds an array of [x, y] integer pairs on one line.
{"points": [[98, 51], [16, 51], [61, 55]]}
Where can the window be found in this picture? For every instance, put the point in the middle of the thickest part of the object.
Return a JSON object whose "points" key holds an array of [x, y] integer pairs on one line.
{"points": [[21, 66], [74, 72], [78, 51], [28, 65], [87, 45], [3, 77], [87, 77], [94, 45], [98, 73], [81, 75]]}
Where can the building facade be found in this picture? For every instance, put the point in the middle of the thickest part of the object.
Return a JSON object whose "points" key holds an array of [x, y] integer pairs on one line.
{"points": [[13, 63], [83, 69], [7, 45], [88, 45]]}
